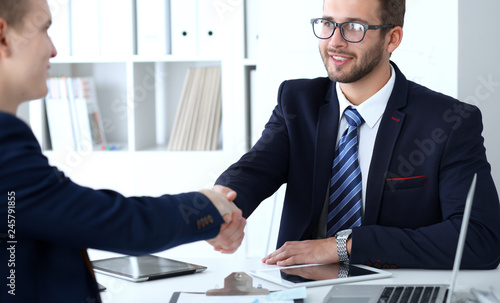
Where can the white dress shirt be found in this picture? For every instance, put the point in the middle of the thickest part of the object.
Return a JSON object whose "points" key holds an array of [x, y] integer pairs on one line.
{"points": [[371, 110]]}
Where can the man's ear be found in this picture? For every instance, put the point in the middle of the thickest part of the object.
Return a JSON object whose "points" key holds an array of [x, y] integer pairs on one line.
{"points": [[4, 44], [395, 37]]}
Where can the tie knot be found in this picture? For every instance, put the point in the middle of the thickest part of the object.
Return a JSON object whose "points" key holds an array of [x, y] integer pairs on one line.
{"points": [[353, 117]]}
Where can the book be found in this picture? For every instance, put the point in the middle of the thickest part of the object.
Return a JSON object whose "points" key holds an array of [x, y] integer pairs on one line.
{"points": [[184, 26], [89, 94], [38, 122], [153, 27], [73, 115], [116, 28], [85, 28], [209, 28], [179, 122], [198, 118], [59, 32], [58, 117], [251, 28]]}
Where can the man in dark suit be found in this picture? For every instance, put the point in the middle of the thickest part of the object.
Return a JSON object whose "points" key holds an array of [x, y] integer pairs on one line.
{"points": [[48, 221], [415, 154]]}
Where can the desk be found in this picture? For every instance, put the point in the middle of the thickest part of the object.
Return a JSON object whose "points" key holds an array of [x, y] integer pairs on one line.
{"points": [[156, 291]]}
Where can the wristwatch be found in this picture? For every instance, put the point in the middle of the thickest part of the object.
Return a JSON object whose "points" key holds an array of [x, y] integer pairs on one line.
{"points": [[342, 237]]}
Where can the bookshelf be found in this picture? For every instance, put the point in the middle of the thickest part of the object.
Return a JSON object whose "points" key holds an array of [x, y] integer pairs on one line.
{"points": [[139, 90]]}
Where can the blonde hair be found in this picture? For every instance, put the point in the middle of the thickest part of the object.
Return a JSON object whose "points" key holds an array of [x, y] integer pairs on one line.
{"points": [[14, 11]]}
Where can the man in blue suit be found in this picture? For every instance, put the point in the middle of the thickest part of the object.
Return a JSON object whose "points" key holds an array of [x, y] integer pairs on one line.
{"points": [[48, 221], [417, 153]]}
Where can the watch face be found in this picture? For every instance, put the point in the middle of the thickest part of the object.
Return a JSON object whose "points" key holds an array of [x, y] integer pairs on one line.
{"points": [[343, 233]]}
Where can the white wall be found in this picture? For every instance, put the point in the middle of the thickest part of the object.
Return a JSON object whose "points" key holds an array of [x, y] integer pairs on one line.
{"points": [[479, 69], [427, 56], [287, 49]]}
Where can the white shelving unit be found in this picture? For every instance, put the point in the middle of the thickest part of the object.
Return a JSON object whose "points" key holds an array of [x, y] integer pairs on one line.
{"points": [[138, 97]]}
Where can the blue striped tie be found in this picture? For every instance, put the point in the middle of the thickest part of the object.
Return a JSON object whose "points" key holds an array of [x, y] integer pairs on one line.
{"points": [[344, 207]]}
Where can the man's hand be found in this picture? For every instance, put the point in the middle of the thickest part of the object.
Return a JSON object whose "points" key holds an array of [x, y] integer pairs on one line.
{"points": [[232, 232], [230, 236], [226, 191], [317, 272], [305, 252], [222, 202]]}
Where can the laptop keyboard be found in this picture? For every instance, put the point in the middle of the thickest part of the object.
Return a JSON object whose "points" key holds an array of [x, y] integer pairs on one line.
{"points": [[409, 294]]}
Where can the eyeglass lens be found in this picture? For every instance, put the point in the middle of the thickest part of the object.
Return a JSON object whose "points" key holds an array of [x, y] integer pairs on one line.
{"points": [[351, 31]]}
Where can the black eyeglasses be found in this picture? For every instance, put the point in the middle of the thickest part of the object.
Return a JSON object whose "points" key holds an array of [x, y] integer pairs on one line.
{"points": [[353, 32]]}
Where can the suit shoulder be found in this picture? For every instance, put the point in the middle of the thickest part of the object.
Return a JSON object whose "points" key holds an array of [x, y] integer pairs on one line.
{"points": [[425, 94], [425, 97], [312, 91], [14, 129], [315, 83]]}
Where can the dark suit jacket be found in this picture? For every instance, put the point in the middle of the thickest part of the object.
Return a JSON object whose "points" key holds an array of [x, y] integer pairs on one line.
{"points": [[54, 219], [426, 151]]}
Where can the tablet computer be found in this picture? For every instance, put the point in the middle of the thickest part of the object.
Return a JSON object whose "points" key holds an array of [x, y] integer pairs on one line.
{"points": [[144, 268], [319, 274]]}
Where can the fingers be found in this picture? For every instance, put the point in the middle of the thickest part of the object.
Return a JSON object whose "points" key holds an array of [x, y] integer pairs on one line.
{"points": [[231, 233], [226, 191], [230, 236], [284, 256], [225, 208], [234, 233], [304, 252]]}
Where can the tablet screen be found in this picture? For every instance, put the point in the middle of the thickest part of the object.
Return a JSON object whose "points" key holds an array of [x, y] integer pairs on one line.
{"points": [[319, 274], [144, 267], [322, 272]]}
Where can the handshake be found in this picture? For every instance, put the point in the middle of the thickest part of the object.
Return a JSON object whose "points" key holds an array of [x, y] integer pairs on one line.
{"points": [[232, 232]]}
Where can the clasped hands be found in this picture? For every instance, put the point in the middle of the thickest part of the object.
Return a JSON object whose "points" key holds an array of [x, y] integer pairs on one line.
{"points": [[232, 231], [320, 251]]}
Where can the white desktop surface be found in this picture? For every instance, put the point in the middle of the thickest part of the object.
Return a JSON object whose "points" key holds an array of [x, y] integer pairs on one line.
{"points": [[156, 291]]}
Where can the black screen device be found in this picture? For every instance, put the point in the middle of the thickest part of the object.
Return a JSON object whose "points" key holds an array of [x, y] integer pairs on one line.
{"points": [[144, 268]]}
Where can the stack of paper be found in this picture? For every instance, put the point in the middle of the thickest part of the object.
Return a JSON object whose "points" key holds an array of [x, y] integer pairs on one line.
{"points": [[73, 115], [199, 114]]}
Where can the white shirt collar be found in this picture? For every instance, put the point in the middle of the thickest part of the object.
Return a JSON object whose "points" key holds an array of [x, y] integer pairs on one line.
{"points": [[373, 108]]}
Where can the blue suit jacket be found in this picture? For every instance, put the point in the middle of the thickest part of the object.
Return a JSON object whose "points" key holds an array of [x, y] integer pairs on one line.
{"points": [[427, 149], [54, 219]]}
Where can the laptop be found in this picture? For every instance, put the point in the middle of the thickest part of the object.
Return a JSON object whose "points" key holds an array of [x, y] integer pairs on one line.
{"points": [[407, 293]]}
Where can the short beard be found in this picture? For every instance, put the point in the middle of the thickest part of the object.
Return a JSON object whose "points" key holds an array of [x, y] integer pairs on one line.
{"points": [[366, 65]]}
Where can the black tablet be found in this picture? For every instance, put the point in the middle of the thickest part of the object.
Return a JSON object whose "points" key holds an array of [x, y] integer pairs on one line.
{"points": [[319, 274], [144, 268]]}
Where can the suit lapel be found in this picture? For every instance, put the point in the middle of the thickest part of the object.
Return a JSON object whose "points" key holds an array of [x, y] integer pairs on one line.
{"points": [[387, 135], [389, 130], [326, 135]]}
